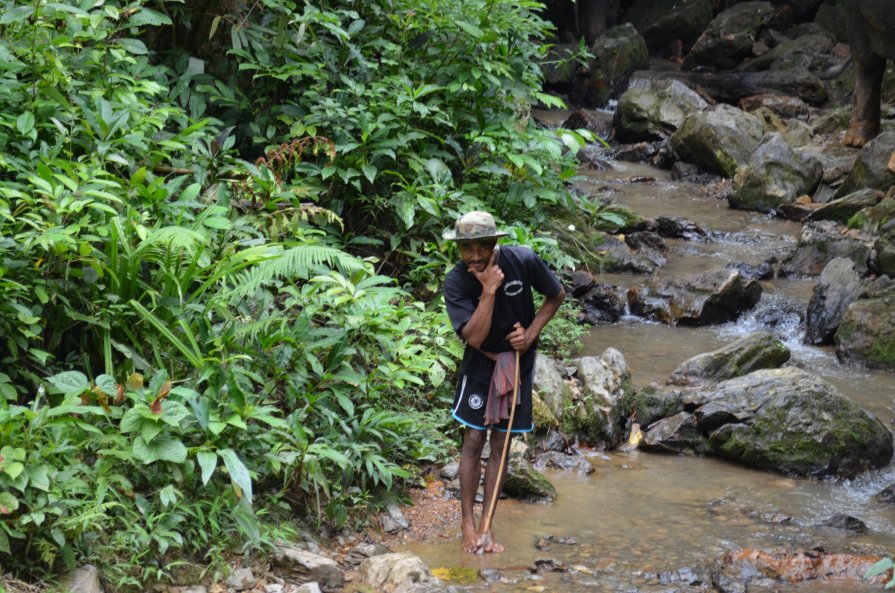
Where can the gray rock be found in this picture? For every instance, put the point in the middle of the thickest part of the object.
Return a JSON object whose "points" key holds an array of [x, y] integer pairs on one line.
{"points": [[870, 170], [598, 416], [819, 243], [676, 434], [842, 209], [866, 333], [654, 403], [664, 23], [729, 38], [527, 484], [712, 297], [389, 572], [654, 110], [82, 580], [617, 54], [394, 521], [838, 287], [451, 469], [882, 257], [278, 588], [718, 139], [791, 421], [241, 579], [308, 588], [550, 385], [759, 350], [302, 565], [604, 303], [774, 175], [845, 522]]}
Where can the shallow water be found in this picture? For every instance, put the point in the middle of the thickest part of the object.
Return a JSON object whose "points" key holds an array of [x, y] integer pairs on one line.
{"points": [[640, 514]]}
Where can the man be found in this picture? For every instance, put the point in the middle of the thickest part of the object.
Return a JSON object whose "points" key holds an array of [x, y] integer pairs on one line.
{"points": [[490, 304]]}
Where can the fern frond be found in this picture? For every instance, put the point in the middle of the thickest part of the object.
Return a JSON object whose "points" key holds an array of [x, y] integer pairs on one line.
{"points": [[171, 239], [294, 263], [266, 327]]}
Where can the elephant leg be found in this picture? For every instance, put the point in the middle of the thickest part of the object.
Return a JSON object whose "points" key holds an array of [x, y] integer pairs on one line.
{"points": [[864, 125]]}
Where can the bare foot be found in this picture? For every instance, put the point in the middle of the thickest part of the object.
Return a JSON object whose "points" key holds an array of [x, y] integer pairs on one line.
{"points": [[472, 542], [489, 546], [891, 166]]}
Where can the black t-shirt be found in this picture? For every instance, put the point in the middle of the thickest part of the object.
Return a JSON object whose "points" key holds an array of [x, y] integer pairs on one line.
{"points": [[523, 272]]}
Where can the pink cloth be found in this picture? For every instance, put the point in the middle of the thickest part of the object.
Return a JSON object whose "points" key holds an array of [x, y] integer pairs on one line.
{"points": [[503, 380]]}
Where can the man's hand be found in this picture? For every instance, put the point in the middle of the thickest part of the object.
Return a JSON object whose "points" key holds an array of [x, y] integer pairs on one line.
{"points": [[520, 338], [491, 278]]}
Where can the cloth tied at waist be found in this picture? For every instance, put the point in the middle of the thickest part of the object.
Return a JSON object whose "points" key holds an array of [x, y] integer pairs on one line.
{"points": [[500, 391]]}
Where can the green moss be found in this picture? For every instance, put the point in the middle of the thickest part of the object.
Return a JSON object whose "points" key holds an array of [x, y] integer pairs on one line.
{"points": [[857, 220], [883, 351], [727, 163]]}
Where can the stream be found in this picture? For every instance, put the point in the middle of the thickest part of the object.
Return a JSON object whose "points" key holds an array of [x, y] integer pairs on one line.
{"points": [[642, 520]]}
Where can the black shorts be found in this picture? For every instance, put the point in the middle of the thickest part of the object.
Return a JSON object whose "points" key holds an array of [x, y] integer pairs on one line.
{"points": [[469, 405]]}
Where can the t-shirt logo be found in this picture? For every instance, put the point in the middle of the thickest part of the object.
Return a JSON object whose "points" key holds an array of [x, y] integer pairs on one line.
{"points": [[476, 401], [513, 287]]}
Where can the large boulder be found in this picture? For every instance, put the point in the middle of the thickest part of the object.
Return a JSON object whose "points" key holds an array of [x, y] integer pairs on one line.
{"points": [[598, 416], [664, 23], [653, 110], [676, 434], [866, 333], [303, 565], [810, 52], [790, 420], [394, 572], [617, 54], [527, 484], [774, 175], [730, 37], [550, 385], [759, 350], [718, 139], [838, 287], [871, 167], [842, 209], [711, 297], [819, 243]]}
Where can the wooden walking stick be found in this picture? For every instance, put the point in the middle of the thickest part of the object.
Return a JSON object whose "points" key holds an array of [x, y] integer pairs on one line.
{"points": [[486, 524]]}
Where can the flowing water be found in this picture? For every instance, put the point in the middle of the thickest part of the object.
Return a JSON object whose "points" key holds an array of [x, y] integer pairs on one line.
{"points": [[640, 515]]}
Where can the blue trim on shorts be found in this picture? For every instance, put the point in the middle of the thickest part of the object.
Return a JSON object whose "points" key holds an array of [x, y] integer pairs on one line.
{"points": [[471, 425]]}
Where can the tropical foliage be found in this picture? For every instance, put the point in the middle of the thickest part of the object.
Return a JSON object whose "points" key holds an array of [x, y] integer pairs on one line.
{"points": [[211, 269]]}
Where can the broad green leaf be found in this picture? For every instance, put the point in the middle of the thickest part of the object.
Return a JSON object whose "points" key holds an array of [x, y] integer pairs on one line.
{"points": [[70, 382], [217, 222], [239, 474], [40, 477], [8, 504], [208, 462], [162, 448], [107, 384], [25, 122]]}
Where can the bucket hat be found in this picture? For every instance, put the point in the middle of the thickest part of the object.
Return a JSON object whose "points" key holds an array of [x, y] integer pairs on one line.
{"points": [[474, 226]]}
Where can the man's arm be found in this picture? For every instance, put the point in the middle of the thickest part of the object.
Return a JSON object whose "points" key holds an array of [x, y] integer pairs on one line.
{"points": [[521, 338], [476, 329]]}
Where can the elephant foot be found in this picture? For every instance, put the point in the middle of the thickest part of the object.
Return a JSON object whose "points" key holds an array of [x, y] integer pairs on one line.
{"points": [[891, 165], [860, 133]]}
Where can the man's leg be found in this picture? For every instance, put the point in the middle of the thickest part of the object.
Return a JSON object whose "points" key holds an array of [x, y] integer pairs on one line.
{"points": [[498, 439], [470, 473]]}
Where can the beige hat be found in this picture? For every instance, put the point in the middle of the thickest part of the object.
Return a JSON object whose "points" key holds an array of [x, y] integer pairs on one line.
{"points": [[474, 226]]}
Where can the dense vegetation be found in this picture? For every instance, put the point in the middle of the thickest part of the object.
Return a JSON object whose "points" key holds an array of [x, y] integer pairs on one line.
{"points": [[220, 258]]}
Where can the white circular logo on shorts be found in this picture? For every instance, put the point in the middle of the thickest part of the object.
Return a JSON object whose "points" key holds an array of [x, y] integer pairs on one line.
{"points": [[476, 402], [512, 288]]}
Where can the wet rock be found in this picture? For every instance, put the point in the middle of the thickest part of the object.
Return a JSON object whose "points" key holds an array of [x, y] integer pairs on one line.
{"points": [[681, 171], [394, 521], [582, 281], [799, 565], [598, 416], [684, 576], [845, 522], [676, 434], [653, 110], [810, 52], [450, 470], [774, 175], [866, 333], [712, 297], [301, 565], [645, 240], [305, 588], [763, 271], [604, 304], [653, 403], [882, 257], [819, 243], [390, 572], [365, 550], [842, 209], [621, 258], [549, 565], [526, 483], [557, 460], [585, 119], [673, 227], [641, 152], [718, 139], [838, 287], [82, 580], [553, 441], [886, 495], [560, 68], [663, 23], [759, 350], [617, 53], [871, 167], [871, 220], [790, 421]]}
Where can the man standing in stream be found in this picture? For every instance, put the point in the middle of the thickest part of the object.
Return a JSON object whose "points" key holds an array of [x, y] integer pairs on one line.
{"points": [[491, 307]]}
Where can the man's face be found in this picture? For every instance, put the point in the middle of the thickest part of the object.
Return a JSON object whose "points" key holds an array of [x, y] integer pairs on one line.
{"points": [[476, 254]]}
